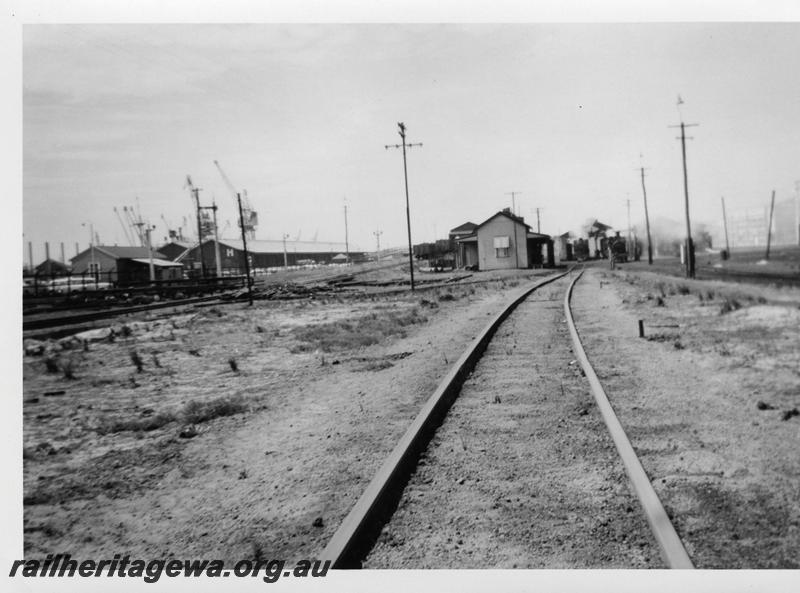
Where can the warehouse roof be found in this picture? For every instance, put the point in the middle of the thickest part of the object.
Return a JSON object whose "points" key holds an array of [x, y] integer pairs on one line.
{"points": [[158, 262], [277, 246], [121, 252]]}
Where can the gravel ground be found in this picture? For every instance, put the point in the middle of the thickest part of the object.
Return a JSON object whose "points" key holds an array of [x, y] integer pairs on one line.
{"points": [[706, 400], [307, 427], [522, 473]]}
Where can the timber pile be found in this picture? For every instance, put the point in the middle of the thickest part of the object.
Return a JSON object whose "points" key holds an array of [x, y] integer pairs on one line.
{"points": [[287, 291]]}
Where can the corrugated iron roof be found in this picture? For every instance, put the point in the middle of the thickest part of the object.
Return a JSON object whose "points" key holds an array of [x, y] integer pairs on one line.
{"points": [[276, 246], [121, 252], [158, 262]]}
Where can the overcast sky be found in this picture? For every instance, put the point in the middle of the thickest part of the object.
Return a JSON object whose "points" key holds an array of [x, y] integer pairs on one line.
{"points": [[298, 115]]}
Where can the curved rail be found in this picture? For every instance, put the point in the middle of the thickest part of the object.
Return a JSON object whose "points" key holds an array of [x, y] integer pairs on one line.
{"points": [[51, 322], [362, 525], [672, 549]]}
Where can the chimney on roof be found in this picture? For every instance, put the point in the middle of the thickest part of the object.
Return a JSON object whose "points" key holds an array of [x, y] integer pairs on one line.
{"points": [[507, 210]]}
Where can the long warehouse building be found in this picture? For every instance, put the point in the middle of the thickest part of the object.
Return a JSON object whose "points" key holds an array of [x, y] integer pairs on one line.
{"points": [[263, 254]]}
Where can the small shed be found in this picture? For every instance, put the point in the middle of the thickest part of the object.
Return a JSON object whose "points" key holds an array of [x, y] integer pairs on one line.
{"points": [[563, 247], [112, 263], [51, 268], [461, 231], [138, 269], [504, 241]]}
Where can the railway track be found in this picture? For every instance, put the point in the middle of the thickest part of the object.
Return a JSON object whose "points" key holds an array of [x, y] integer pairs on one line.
{"points": [[725, 274], [511, 463], [73, 319]]}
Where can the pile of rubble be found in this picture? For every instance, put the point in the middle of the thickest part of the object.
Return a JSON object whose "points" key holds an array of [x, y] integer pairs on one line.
{"points": [[287, 291], [141, 331]]}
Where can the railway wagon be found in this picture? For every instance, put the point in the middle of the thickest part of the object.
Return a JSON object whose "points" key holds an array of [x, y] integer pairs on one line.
{"points": [[618, 249]]}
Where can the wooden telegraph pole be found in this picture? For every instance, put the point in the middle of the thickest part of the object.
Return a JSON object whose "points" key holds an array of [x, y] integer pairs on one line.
{"points": [[378, 234], [689, 242], [246, 256], [196, 192], [769, 226], [513, 195], [402, 133], [346, 240], [647, 223], [725, 226]]}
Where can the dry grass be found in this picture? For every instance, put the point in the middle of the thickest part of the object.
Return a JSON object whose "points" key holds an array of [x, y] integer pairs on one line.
{"points": [[51, 364], [355, 333], [194, 412], [730, 304], [137, 361], [146, 423], [68, 367]]}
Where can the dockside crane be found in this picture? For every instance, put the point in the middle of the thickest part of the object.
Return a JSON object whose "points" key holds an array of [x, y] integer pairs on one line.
{"points": [[135, 223], [125, 229], [249, 218], [173, 234]]}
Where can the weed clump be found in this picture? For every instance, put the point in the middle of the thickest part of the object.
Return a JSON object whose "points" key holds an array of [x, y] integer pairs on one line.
{"points": [[145, 424], [683, 289], [68, 368], [349, 334], [233, 364], [729, 305], [195, 412], [137, 361], [447, 296], [51, 364]]}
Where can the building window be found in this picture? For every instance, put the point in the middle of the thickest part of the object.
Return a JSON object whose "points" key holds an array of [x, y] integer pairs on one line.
{"points": [[94, 267], [229, 252], [501, 246]]}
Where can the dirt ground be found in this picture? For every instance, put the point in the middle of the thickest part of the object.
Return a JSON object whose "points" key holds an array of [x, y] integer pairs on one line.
{"points": [[709, 400], [250, 432], [522, 473], [193, 457]]}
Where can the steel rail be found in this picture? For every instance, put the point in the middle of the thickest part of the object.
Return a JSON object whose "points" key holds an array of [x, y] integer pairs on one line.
{"points": [[360, 528], [79, 318], [672, 549]]}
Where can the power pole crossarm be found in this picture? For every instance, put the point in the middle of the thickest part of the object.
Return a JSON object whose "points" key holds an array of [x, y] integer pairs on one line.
{"points": [[402, 133]]}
